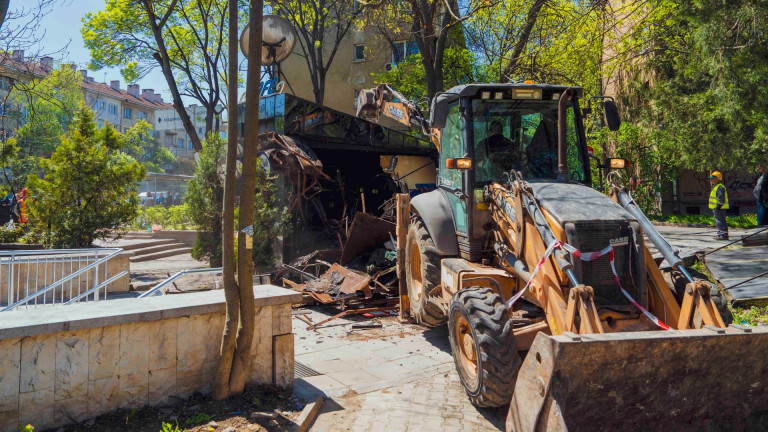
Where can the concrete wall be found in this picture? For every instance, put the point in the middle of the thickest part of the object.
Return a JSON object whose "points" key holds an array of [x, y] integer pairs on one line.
{"points": [[29, 277], [188, 237], [345, 75], [129, 353]]}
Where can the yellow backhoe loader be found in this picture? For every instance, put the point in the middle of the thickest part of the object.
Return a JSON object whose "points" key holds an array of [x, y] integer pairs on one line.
{"points": [[553, 301]]}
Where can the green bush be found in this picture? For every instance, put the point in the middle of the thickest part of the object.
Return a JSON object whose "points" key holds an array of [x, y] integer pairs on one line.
{"points": [[743, 221], [204, 197], [178, 216], [89, 187], [10, 235]]}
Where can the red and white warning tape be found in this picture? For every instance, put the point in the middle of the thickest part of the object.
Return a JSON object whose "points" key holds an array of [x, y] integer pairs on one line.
{"points": [[586, 256]]}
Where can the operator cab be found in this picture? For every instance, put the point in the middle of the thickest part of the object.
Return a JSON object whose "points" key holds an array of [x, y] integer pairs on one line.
{"points": [[494, 128]]}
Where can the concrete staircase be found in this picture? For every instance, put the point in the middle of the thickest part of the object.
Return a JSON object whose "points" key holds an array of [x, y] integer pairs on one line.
{"points": [[151, 249]]}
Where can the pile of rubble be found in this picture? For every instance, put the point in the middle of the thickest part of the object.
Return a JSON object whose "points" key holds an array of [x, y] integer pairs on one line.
{"points": [[360, 277]]}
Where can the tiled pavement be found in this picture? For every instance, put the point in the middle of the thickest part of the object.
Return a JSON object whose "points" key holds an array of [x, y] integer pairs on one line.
{"points": [[400, 377]]}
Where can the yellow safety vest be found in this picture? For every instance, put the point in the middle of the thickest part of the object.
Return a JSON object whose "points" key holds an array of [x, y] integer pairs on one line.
{"points": [[713, 197]]}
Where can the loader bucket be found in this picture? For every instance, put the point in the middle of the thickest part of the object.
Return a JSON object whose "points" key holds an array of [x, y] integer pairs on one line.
{"points": [[707, 379]]}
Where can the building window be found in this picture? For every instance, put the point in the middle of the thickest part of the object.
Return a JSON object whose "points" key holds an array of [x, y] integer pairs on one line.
{"points": [[102, 104], [359, 52], [142, 115], [190, 146], [180, 142], [5, 83], [127, 113], [112, 109], [101, 123], [402, 50]]}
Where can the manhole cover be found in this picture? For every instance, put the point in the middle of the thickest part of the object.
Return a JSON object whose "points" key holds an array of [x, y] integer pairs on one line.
{"points": [[300, 370]]}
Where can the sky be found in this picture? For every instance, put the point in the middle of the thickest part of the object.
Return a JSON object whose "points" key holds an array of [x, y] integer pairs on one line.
{"points": [[63, 26]]}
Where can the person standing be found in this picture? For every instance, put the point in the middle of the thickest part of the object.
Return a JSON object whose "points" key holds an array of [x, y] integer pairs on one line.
{"points": [[718, 202], [761, 195]]}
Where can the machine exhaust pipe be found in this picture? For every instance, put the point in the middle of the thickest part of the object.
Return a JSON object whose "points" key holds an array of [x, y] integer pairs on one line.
{"points": [[562, 131]]}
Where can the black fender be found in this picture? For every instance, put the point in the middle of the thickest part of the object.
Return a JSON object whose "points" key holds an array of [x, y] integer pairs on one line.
{"points": [[435, 210]]}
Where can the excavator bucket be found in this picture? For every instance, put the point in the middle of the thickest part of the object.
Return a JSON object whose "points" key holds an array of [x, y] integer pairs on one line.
{"points": [[709, 379]]}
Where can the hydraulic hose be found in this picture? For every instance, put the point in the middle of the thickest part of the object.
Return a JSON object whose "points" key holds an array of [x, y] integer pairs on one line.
{"points": [[669, 254]]}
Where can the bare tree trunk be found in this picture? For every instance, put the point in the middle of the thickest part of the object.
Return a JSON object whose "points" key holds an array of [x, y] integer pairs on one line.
{"points": [[525, 34], [221, 389], [3, 10], [242, 359], [162, 58]]}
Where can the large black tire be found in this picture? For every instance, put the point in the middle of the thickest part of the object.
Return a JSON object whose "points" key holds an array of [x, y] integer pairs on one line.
{"points": [[422, 272], [480, 327]]}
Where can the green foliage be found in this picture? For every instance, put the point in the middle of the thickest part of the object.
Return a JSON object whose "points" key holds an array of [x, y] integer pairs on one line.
{"points": [[753, 316], [204, 196], [744, 221], [167, 427], [194, 37], [705, 82], [17, 168], [89, 187], [10, 235], [147, 150], [409, 78], [45, 108], [198, 419], [269, 219], [650, 166], [173, 217]]}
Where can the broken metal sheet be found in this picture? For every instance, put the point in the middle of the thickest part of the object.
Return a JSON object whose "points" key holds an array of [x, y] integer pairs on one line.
{"points": [[366, 231], [341, 280], [287, 153], [337, 283]]}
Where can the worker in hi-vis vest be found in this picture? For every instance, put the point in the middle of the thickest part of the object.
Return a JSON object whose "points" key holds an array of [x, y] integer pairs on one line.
{"points": [[718, 202]]}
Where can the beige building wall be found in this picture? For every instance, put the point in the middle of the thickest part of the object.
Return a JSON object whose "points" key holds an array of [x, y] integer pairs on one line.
{"points": [[346, 76]]}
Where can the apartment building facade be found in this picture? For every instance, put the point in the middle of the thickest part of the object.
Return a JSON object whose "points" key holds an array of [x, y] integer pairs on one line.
{"points": [[360, 55], [170, 131], [123, 108]]}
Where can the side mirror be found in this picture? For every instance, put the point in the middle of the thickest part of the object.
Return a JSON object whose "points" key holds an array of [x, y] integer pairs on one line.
{"points": [[441, 104], [458, 163], [611, 114]]}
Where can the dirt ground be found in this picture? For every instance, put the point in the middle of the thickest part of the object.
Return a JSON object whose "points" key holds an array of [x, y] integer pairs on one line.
{"points": [[258, 409]]}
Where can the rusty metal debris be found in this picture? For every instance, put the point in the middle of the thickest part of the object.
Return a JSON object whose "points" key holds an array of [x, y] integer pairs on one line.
{"points": [[366, 231]]}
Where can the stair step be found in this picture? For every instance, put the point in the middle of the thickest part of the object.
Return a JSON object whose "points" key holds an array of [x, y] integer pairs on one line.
{"points": [[137, 235], [148, 244], [163, 254], [158, 248]]}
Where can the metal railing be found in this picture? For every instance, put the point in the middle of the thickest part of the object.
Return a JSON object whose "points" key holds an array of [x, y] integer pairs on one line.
{"points": [[60, 276], [157, 288]]}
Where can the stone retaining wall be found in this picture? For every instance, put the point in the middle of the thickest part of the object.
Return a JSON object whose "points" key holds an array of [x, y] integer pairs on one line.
{"points": [[80, 361]]}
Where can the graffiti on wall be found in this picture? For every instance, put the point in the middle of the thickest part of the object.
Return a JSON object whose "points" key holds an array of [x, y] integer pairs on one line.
{"points": [[695, 187]]}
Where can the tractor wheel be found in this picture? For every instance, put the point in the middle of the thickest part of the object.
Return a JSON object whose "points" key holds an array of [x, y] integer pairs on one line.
{"points": [[483, 345], [422, 272]]}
